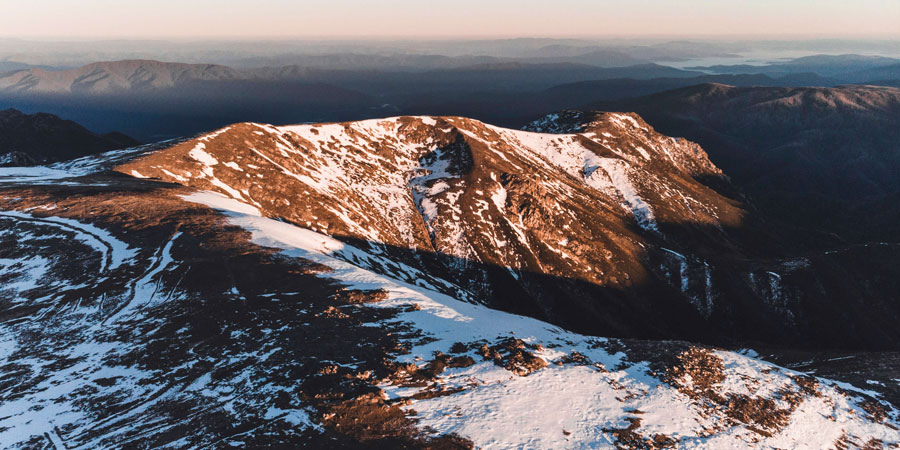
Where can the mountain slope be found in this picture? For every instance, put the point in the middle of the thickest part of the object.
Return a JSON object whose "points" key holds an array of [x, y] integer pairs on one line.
{"points": [[608, 230], [875, 75], [185, 319], [505, 212], [27, 139]]}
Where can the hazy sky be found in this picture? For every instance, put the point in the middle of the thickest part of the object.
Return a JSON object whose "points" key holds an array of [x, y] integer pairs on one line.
{"points": [[445, 18]]}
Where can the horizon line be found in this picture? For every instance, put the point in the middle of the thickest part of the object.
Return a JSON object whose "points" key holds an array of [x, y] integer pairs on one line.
{"points": [[449, 37]]}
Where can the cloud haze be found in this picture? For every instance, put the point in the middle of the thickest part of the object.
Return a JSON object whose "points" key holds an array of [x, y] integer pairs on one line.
{"points": [[459, 18]]}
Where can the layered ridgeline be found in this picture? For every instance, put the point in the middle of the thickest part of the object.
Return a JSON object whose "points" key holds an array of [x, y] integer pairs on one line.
{"points": [[140, 313], [114, 76], [608, 230]]}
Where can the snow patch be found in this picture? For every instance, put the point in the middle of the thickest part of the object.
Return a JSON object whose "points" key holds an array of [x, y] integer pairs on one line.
{"points": [[199, 154]]}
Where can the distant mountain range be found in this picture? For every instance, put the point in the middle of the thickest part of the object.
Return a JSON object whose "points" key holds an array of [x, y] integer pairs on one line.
{"points": [[118, 77], [114, 77], [473, 73], [152, 100], [391, 55], [844, 68]]}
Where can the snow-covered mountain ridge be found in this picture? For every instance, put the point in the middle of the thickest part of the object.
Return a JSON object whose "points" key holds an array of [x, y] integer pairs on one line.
{"points": [[607, 227], [503, 212]]}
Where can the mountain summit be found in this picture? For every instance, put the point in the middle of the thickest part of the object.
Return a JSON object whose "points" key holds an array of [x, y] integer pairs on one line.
{"points": [[559, 227]]}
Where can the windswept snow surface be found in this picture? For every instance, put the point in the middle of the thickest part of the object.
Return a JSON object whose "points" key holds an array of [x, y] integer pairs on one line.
{"points": [[114, 252], [563, 405], [609, 175], [18, 174], [85, 311], [74, 168]]}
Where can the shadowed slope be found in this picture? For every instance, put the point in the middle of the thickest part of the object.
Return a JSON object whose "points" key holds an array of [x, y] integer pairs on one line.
{"points": [[27, 139], [821, 158]]}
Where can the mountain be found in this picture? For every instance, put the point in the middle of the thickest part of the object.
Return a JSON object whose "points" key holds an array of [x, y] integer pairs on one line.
{"points": [[666, 249], [117, 76], [848, 68], [10, 66], [185, 99], [500, 211], [154, 313], [627, 87], [389, 62], [822, 158], [684, 50], [638, 71], [836, 64], [518, 108], [153, 100], [595, 57], [27, 139], [894, 83]]}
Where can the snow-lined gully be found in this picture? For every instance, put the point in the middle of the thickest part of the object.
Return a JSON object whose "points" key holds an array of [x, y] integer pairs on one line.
{"points": [[338, 285]]}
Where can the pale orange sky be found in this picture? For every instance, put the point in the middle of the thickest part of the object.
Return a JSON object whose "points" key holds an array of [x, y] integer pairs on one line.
{"points": [[447, 18]]}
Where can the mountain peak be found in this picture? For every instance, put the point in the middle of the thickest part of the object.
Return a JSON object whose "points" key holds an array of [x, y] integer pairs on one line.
{"points": [[484, 205], [627, 130]]}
